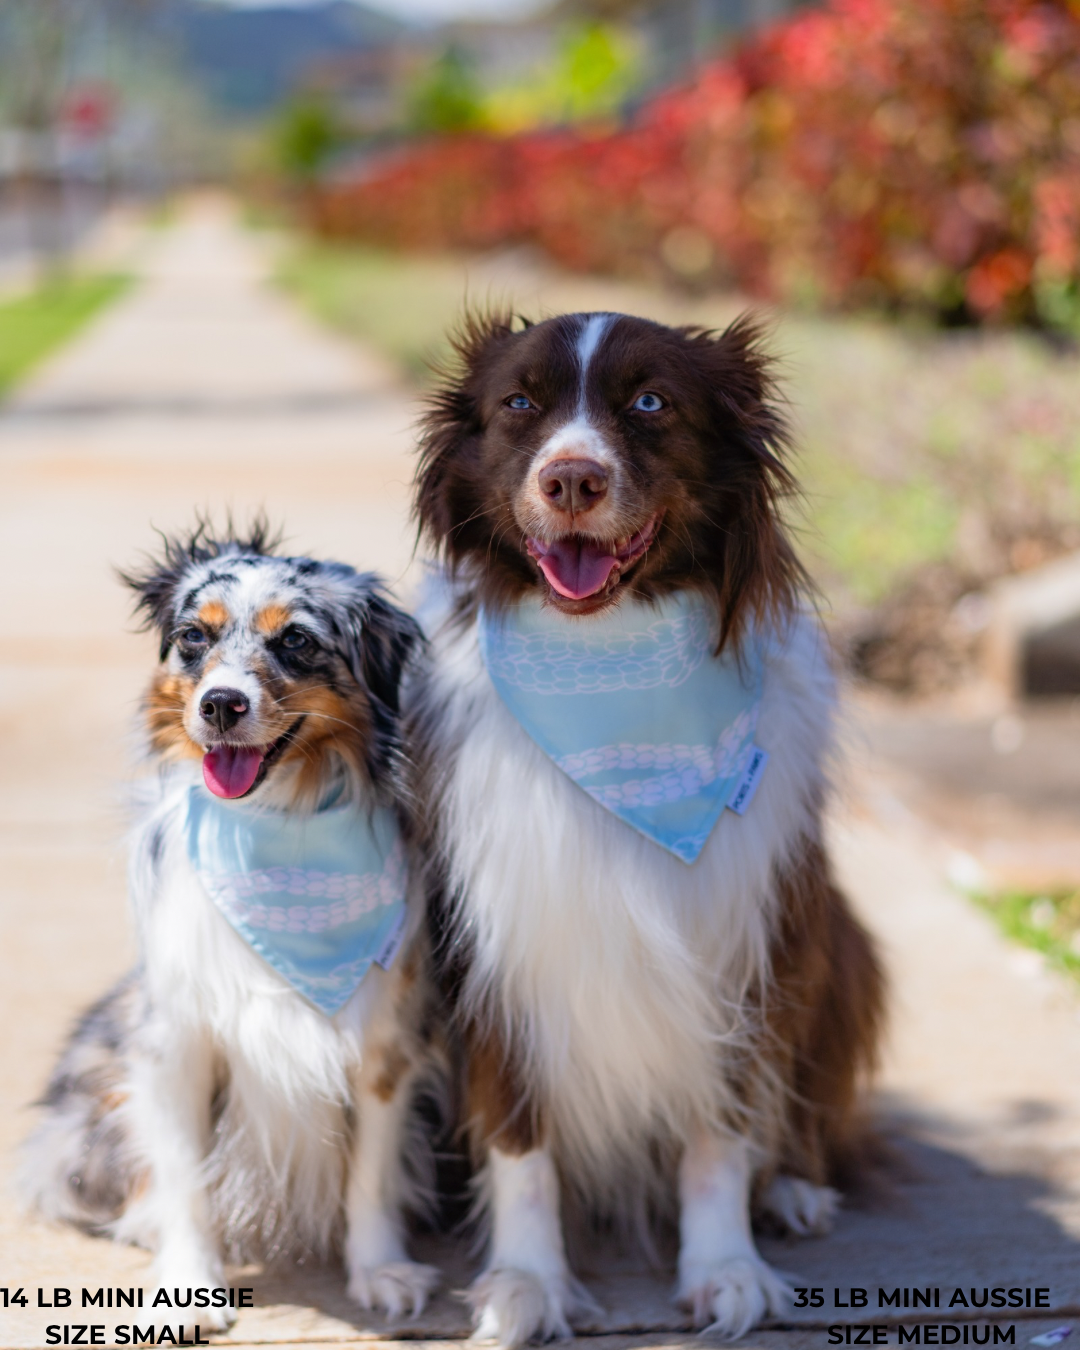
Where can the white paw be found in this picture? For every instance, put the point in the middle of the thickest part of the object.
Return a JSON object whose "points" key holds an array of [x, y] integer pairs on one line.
{"points": [[514, 1306], [732, 1296], [800, 1207], [399, 1288]]}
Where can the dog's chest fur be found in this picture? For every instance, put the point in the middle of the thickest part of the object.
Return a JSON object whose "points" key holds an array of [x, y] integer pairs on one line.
{"points": [[621, 970], [289, 1070]]}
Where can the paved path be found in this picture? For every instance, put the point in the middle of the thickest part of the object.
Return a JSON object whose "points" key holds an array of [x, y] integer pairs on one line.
{"points": [[204, 388]]}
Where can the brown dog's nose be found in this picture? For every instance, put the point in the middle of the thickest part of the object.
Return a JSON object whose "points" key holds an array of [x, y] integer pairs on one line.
{"points": [[573, 484], [223, 708]]}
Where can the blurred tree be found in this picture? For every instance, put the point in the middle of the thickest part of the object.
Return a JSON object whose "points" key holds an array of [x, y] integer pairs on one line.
{"points": [[447, 97], [596, 68], [36, 40], [305, 134], [595, 72]]}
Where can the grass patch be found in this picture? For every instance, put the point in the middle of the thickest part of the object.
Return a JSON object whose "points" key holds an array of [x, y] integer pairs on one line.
{"points": [[915, 445], [33, 325], [1049, 923]]}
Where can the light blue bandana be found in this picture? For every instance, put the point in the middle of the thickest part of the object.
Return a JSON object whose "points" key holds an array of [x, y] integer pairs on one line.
{"points": [[318, 897], [633, 706]]}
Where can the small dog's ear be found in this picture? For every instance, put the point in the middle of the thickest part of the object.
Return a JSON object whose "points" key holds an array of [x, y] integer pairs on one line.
{"points": [[155, 587], [451, 422], [378, 640], [389, 638]]}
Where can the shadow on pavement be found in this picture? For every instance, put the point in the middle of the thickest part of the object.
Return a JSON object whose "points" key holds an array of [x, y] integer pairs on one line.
{"points": [[941, 1221]]}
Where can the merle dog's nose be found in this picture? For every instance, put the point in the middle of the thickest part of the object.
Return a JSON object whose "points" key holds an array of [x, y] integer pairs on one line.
{"points": [[573, 484], [223, 708]]}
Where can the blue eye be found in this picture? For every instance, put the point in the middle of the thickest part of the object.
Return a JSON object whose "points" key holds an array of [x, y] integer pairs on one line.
{"points": [[648, 403], [193, 637], [293, 639], [519, 403]]}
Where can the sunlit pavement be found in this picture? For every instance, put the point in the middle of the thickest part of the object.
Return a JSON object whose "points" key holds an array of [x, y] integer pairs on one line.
{"points": [[203, 388]]}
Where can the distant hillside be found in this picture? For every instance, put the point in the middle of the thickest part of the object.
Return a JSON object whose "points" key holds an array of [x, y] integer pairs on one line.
{"points": [[246, 60]]}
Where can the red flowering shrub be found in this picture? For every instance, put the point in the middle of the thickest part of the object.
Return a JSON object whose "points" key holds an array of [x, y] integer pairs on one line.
{"points": [[901, 153]]}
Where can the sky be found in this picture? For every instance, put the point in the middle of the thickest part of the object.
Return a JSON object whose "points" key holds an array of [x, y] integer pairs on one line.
{"points": [[427, 9]]}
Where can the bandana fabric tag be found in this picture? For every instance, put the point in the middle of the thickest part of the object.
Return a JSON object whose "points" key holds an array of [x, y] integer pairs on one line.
{"points": [[634, 707], [320, 898]]}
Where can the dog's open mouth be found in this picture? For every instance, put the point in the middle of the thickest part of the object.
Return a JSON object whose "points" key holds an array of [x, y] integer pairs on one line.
{"points": [[580, 568], [235, 770]]}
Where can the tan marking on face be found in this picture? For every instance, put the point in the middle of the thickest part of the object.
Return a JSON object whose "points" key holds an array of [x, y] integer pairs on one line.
{"points": [[213, 614], [166, 702], [334, 724], [272, 618]]}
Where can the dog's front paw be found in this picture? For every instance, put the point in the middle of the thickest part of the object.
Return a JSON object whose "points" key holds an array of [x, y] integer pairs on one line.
{"points": [[799, 1207], [399, 1288], [514, 1306], [730, 1297]]}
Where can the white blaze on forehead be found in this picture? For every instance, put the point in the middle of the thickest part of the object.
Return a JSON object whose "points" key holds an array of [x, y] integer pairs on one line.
{"points": [[589, 338], [579, 438]]}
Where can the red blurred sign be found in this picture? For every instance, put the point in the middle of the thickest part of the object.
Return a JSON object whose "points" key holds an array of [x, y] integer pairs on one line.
{"points": [[88, 111]]}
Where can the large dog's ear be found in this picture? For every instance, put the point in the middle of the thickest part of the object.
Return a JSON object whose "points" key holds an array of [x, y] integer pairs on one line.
{"points": [[378, 639], [754, 570], [445, 487]]}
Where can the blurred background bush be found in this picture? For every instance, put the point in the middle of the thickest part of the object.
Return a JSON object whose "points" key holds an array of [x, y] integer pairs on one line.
{"points": [[898, 154], [899, 178]]}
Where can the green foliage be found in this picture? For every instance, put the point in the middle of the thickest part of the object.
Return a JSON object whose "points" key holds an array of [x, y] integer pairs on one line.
{"points": [[595, 69], [874, 531], [305, 135], [1048, 923], [32, 325], [447, 97]]}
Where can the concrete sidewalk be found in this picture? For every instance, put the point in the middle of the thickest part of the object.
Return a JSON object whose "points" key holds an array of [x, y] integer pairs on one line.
{"points": [[203, 388]]}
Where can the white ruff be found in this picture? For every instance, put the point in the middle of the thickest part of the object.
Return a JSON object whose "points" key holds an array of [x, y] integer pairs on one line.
{"points": [[621, 970]]}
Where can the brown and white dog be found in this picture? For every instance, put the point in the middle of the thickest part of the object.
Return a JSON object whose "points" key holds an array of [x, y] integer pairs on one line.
{"points": [[628, 1017], [204, 1106]]}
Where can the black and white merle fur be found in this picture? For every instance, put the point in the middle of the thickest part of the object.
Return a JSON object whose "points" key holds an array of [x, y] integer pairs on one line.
{"points": [[629, 1019], [203, 1108]]}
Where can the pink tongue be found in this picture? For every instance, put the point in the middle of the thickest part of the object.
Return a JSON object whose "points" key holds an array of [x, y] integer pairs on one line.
{"points": [[575, 567], [230, 770]]}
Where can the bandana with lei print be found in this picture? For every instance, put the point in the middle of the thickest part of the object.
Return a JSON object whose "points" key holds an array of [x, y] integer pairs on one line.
{"points": [[634, 706], [319, 897]]}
